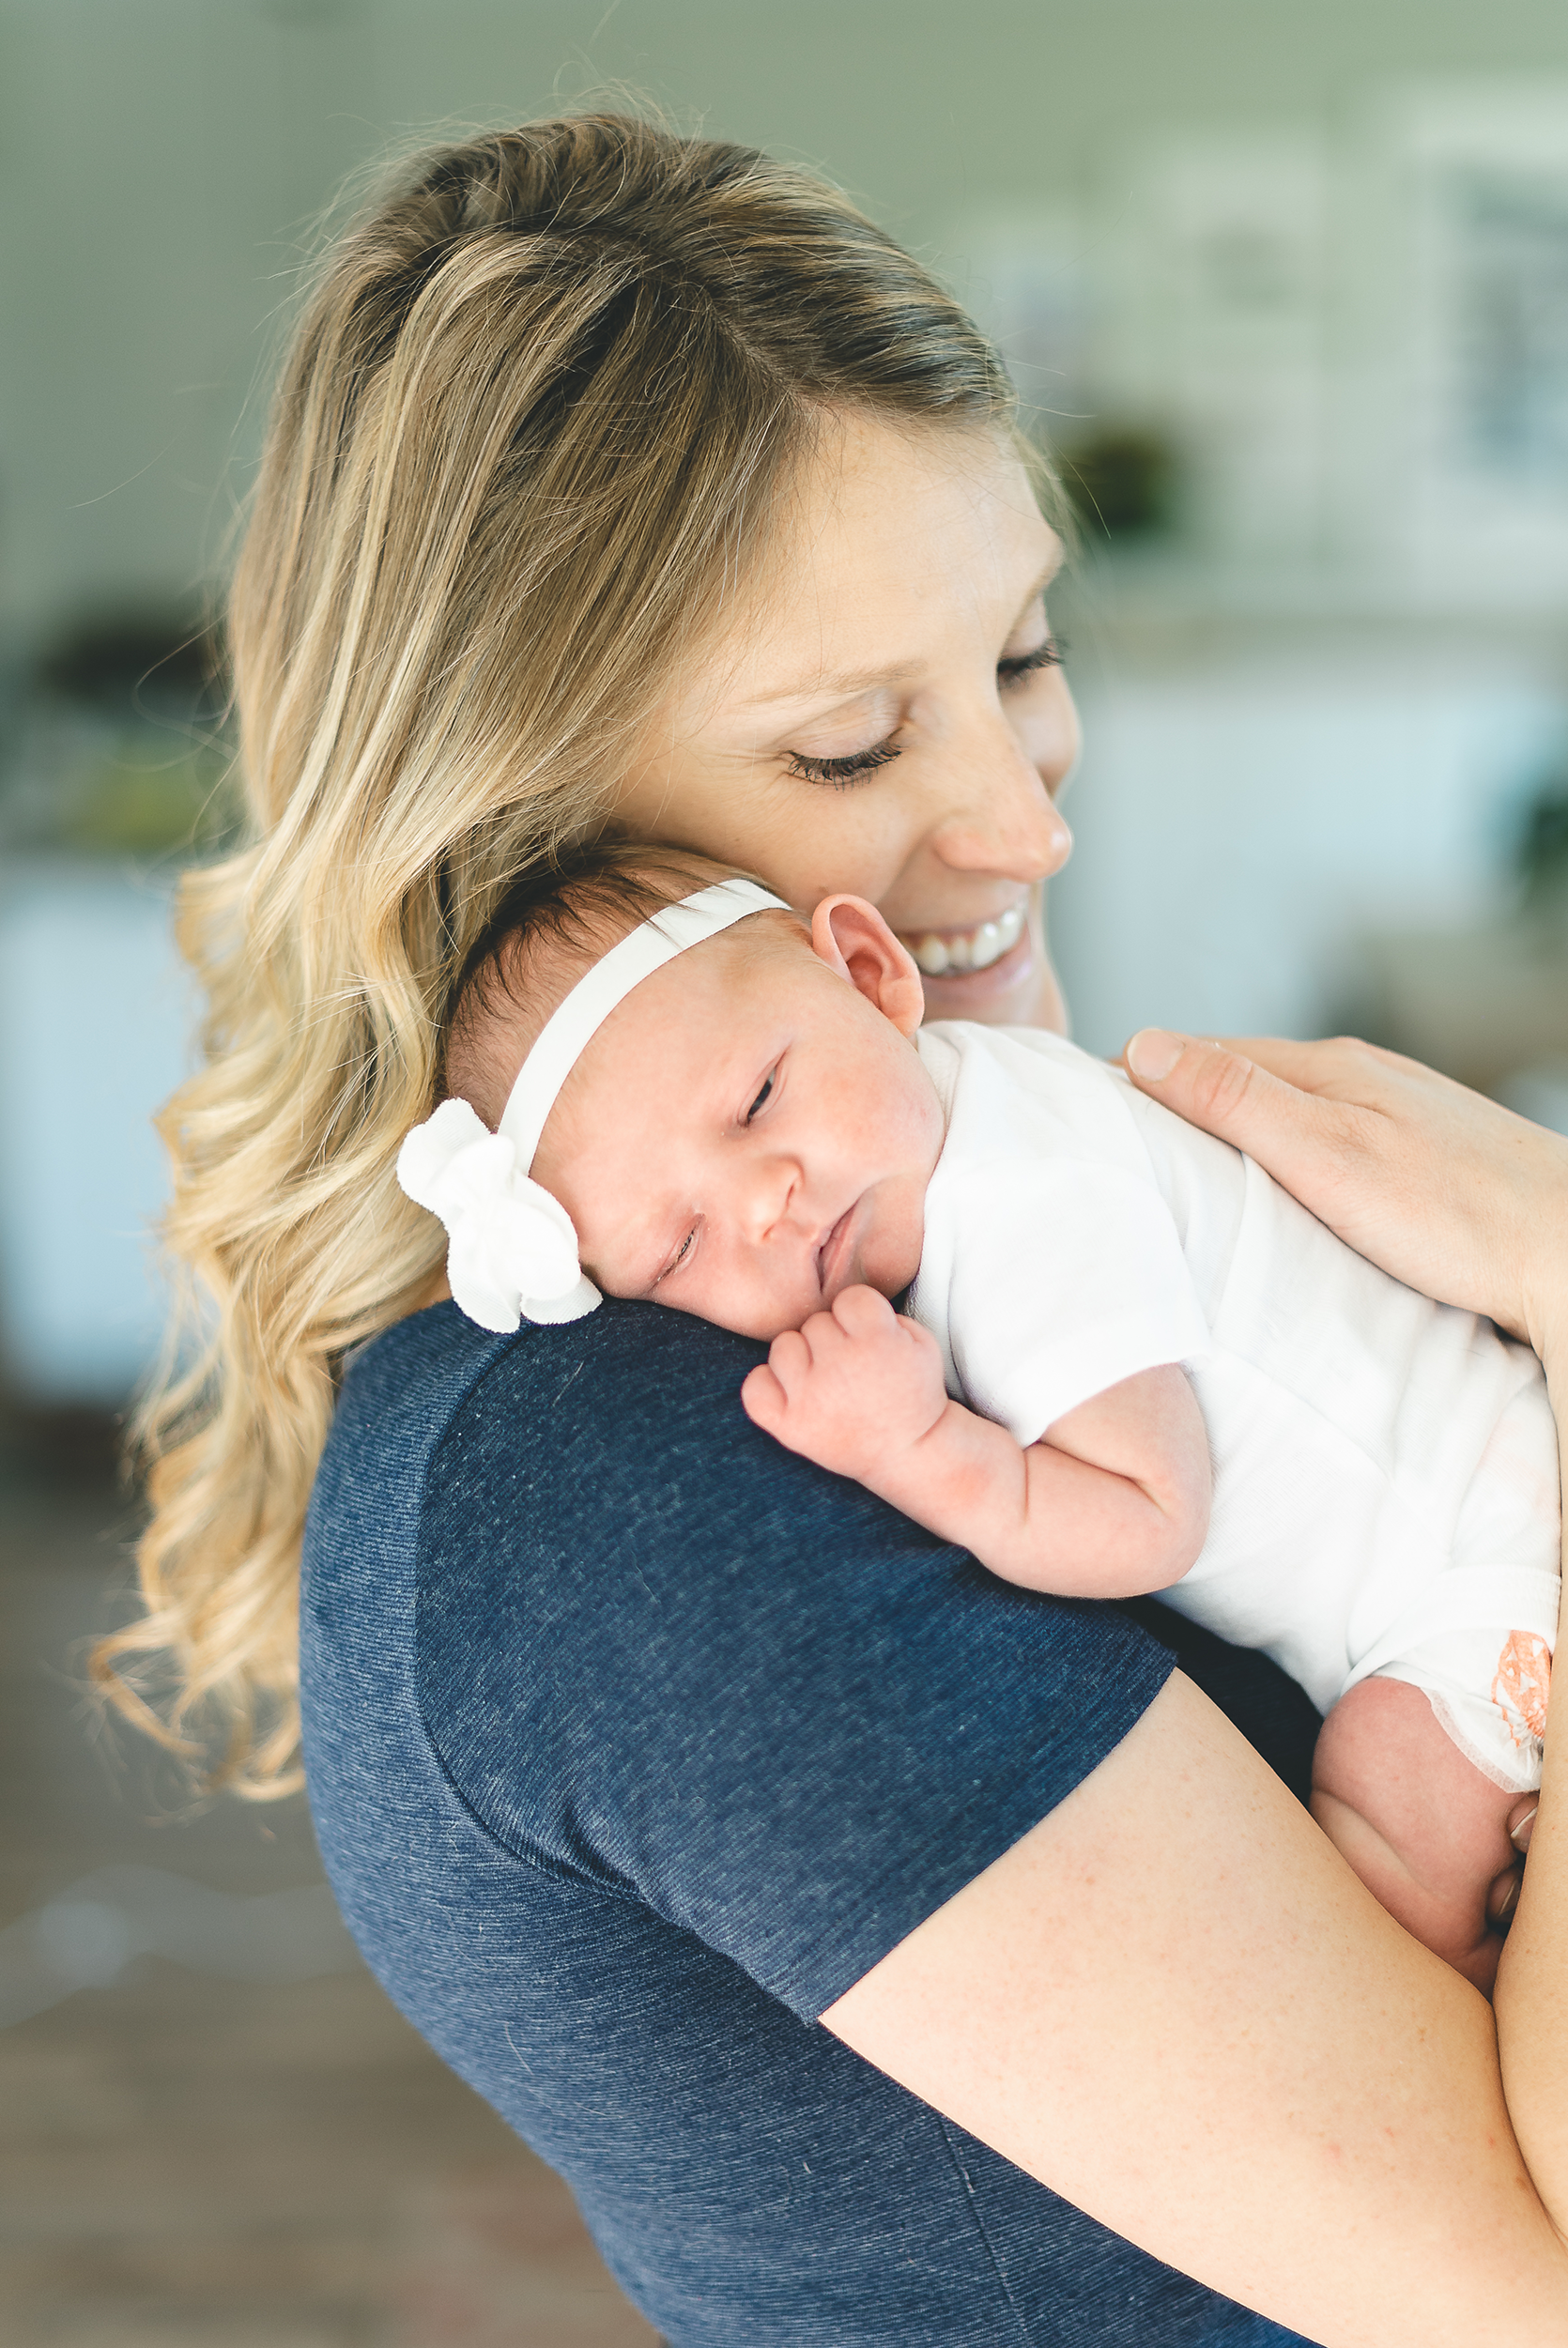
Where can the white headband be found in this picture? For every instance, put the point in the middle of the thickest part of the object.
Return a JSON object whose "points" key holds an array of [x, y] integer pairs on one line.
{"points": [[512, 1253]]}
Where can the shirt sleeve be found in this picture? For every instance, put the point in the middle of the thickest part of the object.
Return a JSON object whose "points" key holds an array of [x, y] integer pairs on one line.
{"points": [[660, 1652], [1061, 1279]]}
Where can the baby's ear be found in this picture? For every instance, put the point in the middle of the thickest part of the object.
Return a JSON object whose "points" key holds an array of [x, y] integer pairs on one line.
{"points": [[851, 938]]}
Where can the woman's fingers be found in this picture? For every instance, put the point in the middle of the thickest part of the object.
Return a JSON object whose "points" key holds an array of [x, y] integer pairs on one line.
{"points": [[1447, 1191], [1293, 1117], [1229, 1090]]}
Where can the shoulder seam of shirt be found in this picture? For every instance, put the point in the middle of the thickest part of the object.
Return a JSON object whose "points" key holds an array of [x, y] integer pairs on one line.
{"points": [[525, 1856]]}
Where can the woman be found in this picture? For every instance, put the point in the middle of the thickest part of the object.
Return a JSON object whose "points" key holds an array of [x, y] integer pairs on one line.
{"points": [[883, 1955]]}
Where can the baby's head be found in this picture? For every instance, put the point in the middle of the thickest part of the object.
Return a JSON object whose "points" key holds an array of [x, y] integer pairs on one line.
{"points": [[750, 1129]]}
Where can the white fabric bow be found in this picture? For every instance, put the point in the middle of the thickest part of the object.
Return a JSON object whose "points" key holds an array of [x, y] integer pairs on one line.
{"points": [[512, 1250]]}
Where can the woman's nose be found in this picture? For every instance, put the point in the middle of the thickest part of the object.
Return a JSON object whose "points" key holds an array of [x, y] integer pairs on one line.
{"points": [[1007, 822]]}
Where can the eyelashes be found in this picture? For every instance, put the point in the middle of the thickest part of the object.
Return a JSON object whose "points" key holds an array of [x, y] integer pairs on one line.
{"points": [[683, 1251], [1046, 655], [843, 772]]}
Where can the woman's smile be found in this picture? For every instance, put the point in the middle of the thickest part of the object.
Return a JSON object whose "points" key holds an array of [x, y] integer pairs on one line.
{"points": [[953, 952], [994, 969]]}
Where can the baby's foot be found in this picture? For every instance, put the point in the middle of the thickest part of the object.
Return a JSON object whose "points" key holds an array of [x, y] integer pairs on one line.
{"points": [[1426, 1832]]}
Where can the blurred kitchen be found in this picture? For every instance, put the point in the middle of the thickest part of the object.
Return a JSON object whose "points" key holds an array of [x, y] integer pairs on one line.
{"points": [[1287, 290]]}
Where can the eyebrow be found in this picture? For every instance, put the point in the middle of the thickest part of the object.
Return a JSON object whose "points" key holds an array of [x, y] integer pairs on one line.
{"points": [[852, 681]]}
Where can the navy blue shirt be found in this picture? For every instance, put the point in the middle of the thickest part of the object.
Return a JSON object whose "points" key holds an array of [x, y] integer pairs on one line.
{"points": [[633, 1741]]}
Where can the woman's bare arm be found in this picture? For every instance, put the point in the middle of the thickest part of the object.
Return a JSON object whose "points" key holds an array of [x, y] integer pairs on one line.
{"points": [[1175, 2004], [1468, 1203]]}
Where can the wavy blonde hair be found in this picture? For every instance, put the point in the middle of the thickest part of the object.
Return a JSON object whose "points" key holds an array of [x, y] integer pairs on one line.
{"points": [[527, 438]]}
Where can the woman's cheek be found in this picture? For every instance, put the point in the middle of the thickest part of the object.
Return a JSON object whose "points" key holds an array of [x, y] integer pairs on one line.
{"points": [[861, 841]]}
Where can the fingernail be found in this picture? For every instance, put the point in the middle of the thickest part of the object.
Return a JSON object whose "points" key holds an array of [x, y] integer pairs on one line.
{"points": [[1153, 1053], [1519, 1835], [1506, 1905]]}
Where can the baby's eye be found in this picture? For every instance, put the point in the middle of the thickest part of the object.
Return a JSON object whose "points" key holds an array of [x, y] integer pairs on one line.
{"points": [[678, 1257], [760, 1098]]}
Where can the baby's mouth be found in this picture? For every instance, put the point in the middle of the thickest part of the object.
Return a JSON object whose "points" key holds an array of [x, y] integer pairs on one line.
{"points": [[951, 953], [830, 1253]]}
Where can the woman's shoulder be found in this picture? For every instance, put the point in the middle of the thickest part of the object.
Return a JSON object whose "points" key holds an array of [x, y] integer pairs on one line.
{"points": [[653, 1649]]}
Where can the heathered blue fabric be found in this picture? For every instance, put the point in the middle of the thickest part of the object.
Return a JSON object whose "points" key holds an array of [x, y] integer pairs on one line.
{"points": [[632, 1742]]}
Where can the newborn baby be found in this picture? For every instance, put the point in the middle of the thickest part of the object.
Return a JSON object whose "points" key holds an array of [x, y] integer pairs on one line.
{"points": [[1128, 1361]]}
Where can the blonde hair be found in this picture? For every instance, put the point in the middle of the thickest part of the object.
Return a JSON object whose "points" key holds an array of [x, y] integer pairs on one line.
{"points": [[528, 435]]}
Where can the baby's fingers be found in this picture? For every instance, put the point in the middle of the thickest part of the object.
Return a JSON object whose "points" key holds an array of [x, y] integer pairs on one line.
{"points": [[788, 1359], [1521, 1821], [861, 1312], [919, 1336], [763, 1399]]}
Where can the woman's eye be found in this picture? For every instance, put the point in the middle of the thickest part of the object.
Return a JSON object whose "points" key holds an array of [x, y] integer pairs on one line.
{"points": [[842, 769], [760, 1098], [1016, 666]]}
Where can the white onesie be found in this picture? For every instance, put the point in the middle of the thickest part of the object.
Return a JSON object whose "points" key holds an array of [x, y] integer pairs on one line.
{"points": [[1386, 1492]]}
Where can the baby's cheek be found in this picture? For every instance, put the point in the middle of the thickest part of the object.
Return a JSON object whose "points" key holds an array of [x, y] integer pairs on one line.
{"points": [[751, 1307], [894, 1257]]}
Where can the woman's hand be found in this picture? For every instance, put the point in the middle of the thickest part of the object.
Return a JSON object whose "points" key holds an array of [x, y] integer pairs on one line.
{"points": [[1450, 1193]]}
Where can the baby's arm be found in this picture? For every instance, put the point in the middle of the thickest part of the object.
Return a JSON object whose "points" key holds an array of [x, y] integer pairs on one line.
{"points": [[1112, 1501]]}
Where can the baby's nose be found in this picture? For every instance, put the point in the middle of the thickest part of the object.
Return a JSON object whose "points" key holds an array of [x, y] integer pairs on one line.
{"points": [[772, 1189]]}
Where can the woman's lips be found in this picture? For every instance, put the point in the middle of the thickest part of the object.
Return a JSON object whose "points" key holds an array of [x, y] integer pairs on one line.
{"points": [[963, 994], [955, 953]]}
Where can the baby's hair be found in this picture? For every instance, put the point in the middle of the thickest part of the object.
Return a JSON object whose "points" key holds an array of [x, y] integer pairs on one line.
{"points": [[552, 923]]}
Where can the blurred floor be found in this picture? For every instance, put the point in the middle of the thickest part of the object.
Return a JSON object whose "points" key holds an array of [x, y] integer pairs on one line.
{"points": [[191, 2162]]}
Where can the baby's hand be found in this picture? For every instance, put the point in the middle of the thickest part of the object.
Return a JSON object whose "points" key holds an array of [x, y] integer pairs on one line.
{"points": [[853, 1389]]}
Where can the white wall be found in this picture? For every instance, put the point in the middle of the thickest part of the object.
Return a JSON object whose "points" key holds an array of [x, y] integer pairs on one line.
{"points": [[161, 161], [1240, 827], [95, 1019]]}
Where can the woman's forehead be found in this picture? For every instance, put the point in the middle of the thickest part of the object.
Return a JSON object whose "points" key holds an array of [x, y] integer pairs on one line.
{"points": [[888, 539]]}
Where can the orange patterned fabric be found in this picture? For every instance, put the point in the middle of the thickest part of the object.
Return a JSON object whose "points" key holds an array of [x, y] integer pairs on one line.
{"points": [[1523, 1682]]}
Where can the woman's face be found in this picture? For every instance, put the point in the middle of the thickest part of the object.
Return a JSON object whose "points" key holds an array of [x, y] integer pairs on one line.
{"points": [[882, 713]]}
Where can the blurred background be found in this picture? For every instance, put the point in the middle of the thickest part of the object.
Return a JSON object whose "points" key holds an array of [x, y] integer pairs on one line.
{"points": [[1287, 290]]}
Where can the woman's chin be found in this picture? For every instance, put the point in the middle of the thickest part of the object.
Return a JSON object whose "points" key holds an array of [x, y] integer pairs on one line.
{"points": [[1018, 989]]}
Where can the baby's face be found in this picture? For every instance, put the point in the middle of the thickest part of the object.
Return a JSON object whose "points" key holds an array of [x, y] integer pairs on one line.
{"points": [[748, 1133]]}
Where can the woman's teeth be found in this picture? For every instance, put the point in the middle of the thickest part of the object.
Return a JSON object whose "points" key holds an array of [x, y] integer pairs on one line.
{"points": [[970, 949]]}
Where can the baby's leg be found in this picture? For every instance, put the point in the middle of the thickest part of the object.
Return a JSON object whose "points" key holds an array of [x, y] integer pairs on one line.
{"points": [[1423, 1828]]}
